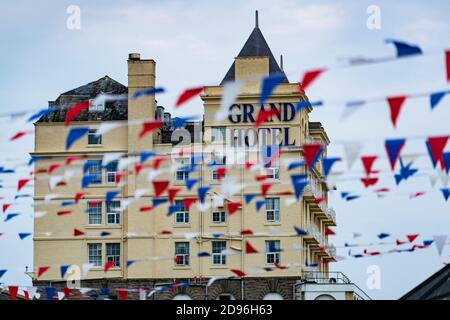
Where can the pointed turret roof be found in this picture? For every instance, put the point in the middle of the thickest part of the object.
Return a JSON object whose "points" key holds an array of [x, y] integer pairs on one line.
{"points": [[256, 46]]}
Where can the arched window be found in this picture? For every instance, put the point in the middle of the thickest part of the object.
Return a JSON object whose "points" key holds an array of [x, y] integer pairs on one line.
{"points": [[181, 297], [225, 296], [324, 297], [273, 296]]}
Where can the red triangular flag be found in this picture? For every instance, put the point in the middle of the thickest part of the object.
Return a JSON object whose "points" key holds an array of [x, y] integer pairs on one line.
{"points": [[395, 106], [249, 248], [368, 163], [311, 151], [75, 110], [279, 266], [166, 232], [77, 233], [160, 186], [437, 146], [221, 172], [145, 209], [123, 294], [172, 193], [232, 207], [13, 292], [265, 188], [149, 126], [19, 135], [21, 183], [399, 243], [246, 232], [187, 203], [138, 167], [264, 115], [42, 270], [66, 292], [6, 206], [369, 181], [447, 63], [412, 237], [108, 265], [319, 200], [238, 273], [309, 77], [329, 232], [26, 295], [78, 196], [187, 95], [64, 212], [158, 160]]}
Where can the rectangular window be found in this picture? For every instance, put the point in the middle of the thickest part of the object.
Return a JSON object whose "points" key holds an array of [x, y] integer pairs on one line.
{"points": [[111, 171], [113, 253], [182, 253], [218, 217], [94, 210], [273, 251], [273, 210], [95, 254], [93, 138], [96, 105], [95, 170], [181, 215], [217, 257], [182, 172], [218, 134], [273, 173], [113, 212]]}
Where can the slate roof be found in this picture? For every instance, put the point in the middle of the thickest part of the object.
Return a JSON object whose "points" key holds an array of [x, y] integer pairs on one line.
{"points": [[435, 287], [256, 46], [114, 110]]}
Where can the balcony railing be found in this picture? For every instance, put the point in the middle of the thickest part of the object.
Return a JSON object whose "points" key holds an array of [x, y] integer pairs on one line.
{"points": [[326, 277]]}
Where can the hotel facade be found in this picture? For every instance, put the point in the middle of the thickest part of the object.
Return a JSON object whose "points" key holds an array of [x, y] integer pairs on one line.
{"points": [[148, 245]]}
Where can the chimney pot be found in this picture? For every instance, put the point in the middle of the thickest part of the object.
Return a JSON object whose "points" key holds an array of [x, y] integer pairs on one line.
{"points": [[134, 56]]}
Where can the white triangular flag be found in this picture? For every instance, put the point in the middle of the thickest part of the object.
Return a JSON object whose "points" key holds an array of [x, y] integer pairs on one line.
{"points": [[289, 201], [54, 180], [61, 295], [86, 267], [39, 214], [32, 292], [352, 150], [191, 235], [350, 108], [125, 162], [439, 241], [230, 92], [202, 207], [110, 157], [142, 294], [107, 126], [217, 200]]}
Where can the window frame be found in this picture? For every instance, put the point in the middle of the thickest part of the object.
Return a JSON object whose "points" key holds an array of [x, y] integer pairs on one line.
{"points": [[222, 258], [113, 212], [222, 134], [221, 213], [98, 206], [184, 261], [115, 257], [181, 211], [98, 255], [109, 170], [273, 257], [274, 210], [97, 139]]}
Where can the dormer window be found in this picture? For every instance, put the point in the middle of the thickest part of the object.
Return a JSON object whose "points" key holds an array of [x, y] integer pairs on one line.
{"points": [[96, 105]]}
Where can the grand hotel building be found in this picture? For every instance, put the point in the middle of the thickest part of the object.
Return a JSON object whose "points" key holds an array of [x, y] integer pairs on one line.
{"points": [[165, 248]]}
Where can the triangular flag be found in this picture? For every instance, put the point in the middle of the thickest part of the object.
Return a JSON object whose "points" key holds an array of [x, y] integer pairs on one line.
{"points": [[147, 92], [188, 202], [249, 197], [232, 207], [268, 84], [13, 292], [21, 183], [77, 233], [191, 182], [42, 270], [447, 64], [238, 273], [327, 163], [435, 147], [172, 193], [2, 272], [150, 126], [393, 149], [64, 269], [123, 294], [202, 193], [369, 181], [351, 107], [108, 265], [329, 232], [9, 216], [311, 153], [75, 110], [49, 293], [265, 188], [435, 98], [74, 135], [19, 135], [352, 150], [187, 95], [395, 106], [446, 193], [383, 235], [249, 248], [439, 241], [160, 186], [309, 77], [300, 232], [24, 235], [368, 163], [230, 92], [446, 159], [404, 49], [259, 204], [412, 237]]}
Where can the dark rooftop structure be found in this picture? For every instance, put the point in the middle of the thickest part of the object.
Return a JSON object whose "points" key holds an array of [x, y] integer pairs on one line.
{"points": [[256, 46], [436, 287]]}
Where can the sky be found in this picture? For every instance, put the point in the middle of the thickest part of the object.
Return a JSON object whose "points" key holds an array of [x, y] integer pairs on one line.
{"points": [[194, 43]]}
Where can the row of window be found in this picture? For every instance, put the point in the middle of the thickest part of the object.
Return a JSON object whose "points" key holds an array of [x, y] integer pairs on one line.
{"points": [[182, 253], [94, 210]]}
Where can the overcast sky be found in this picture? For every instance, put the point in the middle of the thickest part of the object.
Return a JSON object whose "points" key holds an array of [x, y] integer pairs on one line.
{"points": [[194, 42]]}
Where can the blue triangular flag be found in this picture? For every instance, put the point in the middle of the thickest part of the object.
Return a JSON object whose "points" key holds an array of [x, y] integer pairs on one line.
{"points": [[88, 179], [202, 193], [105, 233], [74, 135], [383, 235], [350, 198], [404, 49], [147, 92], [191, 182], [130, 262], [217, 235], [203, 254], [428, 242], [2, 272], [24, 235], [249, 197], [302, 105], [300, 232], [435, 98], [295, 165], [9, 216], [298, 188], [393, 148], [146, 154], [446, 193], [344, 194], [41, 114], [157, 201], [259, 204], [110, 196], [268, 85], [172, 209], [64, 269], [67, 203], [446, 158], [49, 293], [327, 163]]}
